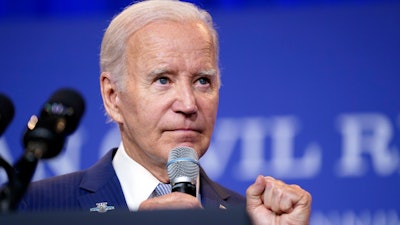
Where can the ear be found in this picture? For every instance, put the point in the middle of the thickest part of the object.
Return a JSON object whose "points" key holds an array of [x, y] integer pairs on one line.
{"points": [[109, 93]]}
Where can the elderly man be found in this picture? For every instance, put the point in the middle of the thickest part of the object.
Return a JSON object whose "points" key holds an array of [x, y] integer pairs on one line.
{"points": [[160, 83]]}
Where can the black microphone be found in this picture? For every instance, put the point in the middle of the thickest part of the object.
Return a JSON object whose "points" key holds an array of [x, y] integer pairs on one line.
{"points": [[44, 138], [6, 112], [58, 118], [183, 170]]}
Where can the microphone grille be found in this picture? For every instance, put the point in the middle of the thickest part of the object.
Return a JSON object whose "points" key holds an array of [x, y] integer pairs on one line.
{"points": [[183, 162]]}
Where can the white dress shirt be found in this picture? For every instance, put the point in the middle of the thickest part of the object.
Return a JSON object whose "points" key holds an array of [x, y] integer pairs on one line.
{"points": [[137, 183]]}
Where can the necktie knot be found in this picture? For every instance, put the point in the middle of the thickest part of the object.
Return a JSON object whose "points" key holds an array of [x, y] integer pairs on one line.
{"points": [[161, 189]]}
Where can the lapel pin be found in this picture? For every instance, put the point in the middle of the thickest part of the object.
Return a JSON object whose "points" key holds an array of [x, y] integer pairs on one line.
{"points": [[222, 206], [102, 207]]}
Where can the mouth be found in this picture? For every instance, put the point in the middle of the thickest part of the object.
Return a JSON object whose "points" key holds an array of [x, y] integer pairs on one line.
{"points": [[185, 130], [189, 137]]}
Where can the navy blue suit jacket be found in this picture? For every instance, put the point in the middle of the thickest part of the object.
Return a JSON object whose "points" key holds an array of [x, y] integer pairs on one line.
{"points": [[81, 190]]}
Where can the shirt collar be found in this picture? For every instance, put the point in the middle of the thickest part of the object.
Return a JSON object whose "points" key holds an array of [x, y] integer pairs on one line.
{"points": [[137, 182]]}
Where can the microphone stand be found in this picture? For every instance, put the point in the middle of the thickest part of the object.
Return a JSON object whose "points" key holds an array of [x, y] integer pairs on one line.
{"points": [[6, 192], [19, 176]]}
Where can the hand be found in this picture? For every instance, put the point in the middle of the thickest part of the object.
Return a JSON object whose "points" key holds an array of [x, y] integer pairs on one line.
{"points": [[272, 202], [174, 200]]}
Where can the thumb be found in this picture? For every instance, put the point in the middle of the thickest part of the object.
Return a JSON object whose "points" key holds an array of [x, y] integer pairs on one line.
{"points": [[254, 192]]}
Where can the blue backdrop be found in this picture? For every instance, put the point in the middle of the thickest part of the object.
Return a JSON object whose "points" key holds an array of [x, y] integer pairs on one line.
{"points": [[310, 95]]}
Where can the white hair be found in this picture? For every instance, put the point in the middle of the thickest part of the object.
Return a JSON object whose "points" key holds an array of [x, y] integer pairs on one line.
{"points": [[135, 17]]}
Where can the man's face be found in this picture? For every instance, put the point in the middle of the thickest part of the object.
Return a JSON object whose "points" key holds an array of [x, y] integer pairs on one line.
{"points": [[172, 91]]}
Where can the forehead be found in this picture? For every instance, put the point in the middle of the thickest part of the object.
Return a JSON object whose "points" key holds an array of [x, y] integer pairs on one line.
{"points": [[169, 33], [165, 42]]}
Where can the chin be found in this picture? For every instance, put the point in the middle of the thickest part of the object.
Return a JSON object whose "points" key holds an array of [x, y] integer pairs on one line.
{"points": [[196, 147]]}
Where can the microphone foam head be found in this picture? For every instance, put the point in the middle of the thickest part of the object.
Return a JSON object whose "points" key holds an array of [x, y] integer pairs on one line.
{"points": [[66, 103], [183, 165], [59, 117]]}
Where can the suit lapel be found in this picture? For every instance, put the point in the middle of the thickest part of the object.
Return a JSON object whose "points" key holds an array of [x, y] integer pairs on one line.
{"points": [[212, 194], [101, 185]]}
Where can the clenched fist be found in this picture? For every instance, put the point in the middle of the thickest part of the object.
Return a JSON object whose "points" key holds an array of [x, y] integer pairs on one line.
{"points": [[272, 202]]}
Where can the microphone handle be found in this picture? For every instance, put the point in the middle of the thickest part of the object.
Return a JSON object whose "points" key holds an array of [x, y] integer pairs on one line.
{"points": [[185, 187], [25, 167]]}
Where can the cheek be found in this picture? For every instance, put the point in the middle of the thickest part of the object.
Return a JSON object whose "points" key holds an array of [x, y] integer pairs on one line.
{"points": [[149, 112], [211, 107], [129, 107]]}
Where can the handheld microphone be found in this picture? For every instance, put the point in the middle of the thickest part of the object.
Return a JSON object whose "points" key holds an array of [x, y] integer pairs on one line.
{"points": [[6, 112], [44, 138], [183, 170]]}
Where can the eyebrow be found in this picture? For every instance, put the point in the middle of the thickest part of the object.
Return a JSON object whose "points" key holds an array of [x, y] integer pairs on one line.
{"points": [[210, 72], [158, 71]]}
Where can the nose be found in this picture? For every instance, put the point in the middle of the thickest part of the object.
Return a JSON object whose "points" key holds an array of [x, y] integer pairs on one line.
{"points": [[185, 102]]}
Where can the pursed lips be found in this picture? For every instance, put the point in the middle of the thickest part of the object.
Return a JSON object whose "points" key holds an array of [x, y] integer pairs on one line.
{"points": [[184, 130]]}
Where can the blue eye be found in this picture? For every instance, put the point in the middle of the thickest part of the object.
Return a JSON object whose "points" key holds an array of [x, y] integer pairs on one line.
{"points": [[204, 81], [163, 80]]}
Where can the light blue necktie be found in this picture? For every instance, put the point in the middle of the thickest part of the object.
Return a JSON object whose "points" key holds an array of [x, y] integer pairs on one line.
{"points": [[161, 189]]}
